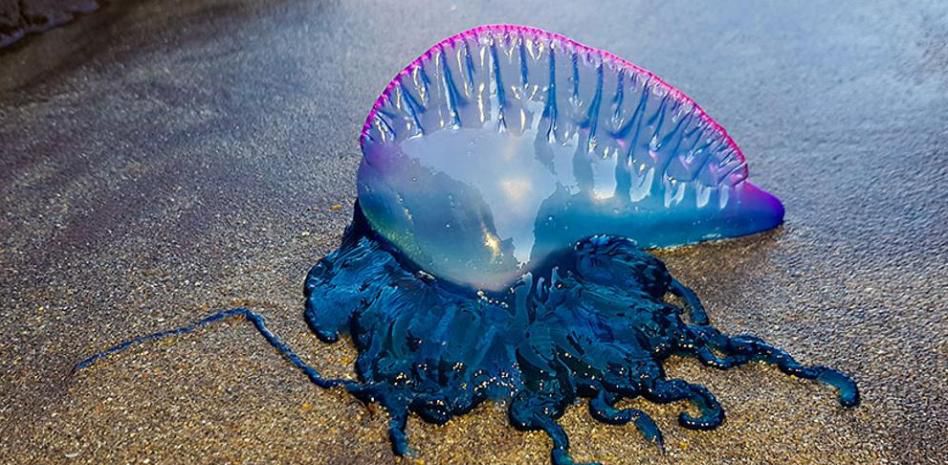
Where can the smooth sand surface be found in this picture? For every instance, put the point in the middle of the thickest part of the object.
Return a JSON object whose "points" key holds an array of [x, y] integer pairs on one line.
{"points": [[162, 159]]}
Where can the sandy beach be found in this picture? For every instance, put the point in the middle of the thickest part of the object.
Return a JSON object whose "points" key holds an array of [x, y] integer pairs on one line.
{"points": [[163, 159]]}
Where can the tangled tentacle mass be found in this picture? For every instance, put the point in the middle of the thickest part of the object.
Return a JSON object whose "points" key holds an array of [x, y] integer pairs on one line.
{"points": [[592, 323]]}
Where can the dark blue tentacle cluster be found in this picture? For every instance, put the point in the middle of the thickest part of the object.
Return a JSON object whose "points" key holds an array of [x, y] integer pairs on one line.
{"points": [[591, 323]]}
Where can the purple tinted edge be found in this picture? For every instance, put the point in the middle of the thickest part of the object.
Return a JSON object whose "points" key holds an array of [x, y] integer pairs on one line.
{"points": [[540, 33]]}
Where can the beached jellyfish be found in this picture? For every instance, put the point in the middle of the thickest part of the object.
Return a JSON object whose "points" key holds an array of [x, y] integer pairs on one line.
{"points": [[509, 182]]}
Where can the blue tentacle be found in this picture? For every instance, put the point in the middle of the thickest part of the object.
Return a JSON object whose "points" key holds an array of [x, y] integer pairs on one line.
{"points": [[258, 321]]}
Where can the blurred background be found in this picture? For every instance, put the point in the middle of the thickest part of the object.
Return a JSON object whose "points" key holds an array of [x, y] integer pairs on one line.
{"points": [[159, 159]]}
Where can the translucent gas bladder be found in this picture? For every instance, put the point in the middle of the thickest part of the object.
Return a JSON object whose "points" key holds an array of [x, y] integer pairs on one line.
{"points": [[503, 144]]}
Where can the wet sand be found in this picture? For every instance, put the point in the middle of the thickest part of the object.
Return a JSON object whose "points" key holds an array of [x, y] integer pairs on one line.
{"points": [[162, 159]]}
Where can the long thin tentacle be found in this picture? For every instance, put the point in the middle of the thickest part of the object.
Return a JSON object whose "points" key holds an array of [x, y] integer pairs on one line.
{"points": [[560, 451], [754, 348], [532, 413], [739, 350], [707, 357], [259, 322], [712, 415], [602, 408], [398, 421], [697, 313], [396, 404]]}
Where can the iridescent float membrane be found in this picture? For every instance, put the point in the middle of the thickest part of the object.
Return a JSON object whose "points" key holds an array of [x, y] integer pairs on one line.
{"points": [[510, 177], [501, 145]]}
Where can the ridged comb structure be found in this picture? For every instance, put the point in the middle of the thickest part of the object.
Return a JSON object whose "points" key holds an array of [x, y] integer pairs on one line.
{"points": [[502, 144]]}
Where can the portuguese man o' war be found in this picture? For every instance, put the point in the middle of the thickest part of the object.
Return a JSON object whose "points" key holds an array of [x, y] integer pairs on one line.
{"points": [[510, 180]]}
